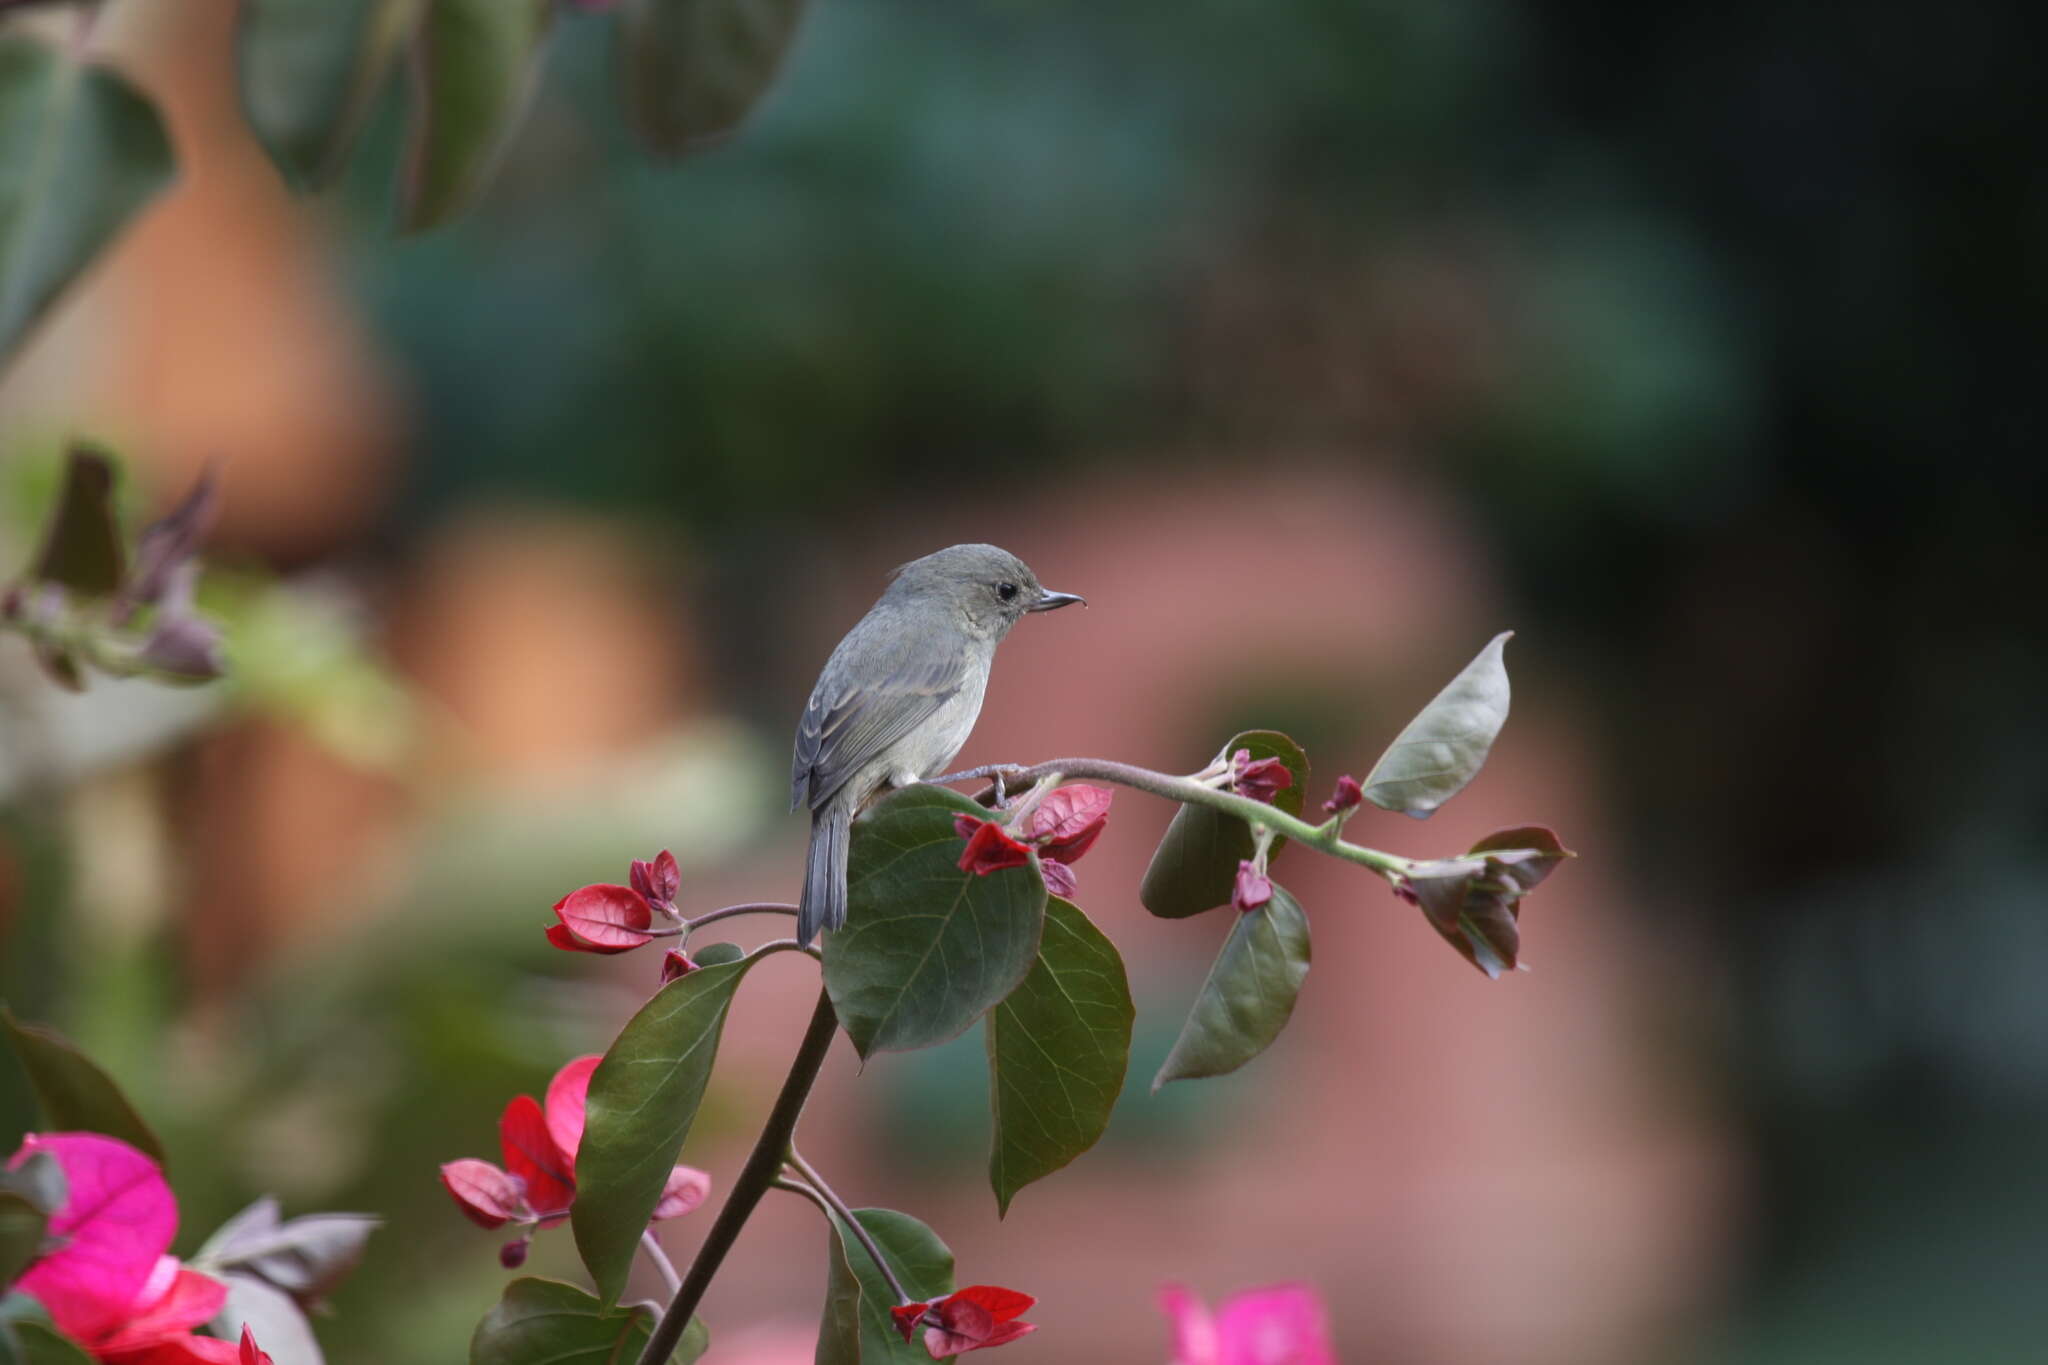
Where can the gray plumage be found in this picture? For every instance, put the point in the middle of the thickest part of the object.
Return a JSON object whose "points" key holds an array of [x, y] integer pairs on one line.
{"points": [[898, 698]]}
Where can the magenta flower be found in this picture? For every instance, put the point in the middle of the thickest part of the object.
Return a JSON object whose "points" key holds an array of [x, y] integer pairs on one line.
{"points": [[1280, 1325], [108, 1284], [1260, 779]]}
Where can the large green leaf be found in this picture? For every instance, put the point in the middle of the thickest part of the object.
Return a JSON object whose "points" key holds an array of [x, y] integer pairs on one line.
{"points": [[80, 151], [73, 1092], [546, 1322], [927, 948], [643, 1098], [1443, 747], [474, 62], [310, 71], [1195, 865], [693, 68], [1057, 1050], [1249, 994], [856, 1328]]}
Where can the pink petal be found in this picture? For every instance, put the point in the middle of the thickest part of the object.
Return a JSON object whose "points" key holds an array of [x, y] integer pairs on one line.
{"points": [[175, 1301], [1282, 1325], [118, 1218], [531, 1155], [486, 1194], [606, 919], [1194, 1331], [1059, 878], [687, 1187], [566, 1095]]}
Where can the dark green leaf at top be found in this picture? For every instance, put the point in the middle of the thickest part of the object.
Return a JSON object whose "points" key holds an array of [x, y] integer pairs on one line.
{"points": [[1057, 1051], [1249, 994], [81, 150], [1195, 866], [856, 1328], [474, 63], [75, 1095], [1443, 747], [310, 71], [927, 948], [643, 1099], [81, 549], [693, 68], [546, 1322]]}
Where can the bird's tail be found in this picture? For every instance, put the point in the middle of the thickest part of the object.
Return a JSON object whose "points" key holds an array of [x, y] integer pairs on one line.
{"points": [[824, 900]]}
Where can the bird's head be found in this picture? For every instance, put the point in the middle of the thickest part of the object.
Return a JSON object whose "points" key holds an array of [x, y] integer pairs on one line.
{"points": [[987, 589]]}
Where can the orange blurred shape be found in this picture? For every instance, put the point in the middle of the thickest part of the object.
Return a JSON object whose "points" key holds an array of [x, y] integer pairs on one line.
{"points": [[224, 338], [547, 638]]}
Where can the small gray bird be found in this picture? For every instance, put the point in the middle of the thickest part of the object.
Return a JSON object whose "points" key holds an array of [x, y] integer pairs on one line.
{"points": [[898, 698]]}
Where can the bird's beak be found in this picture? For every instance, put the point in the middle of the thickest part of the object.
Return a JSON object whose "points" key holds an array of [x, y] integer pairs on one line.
{"points": [[1052, 601]]}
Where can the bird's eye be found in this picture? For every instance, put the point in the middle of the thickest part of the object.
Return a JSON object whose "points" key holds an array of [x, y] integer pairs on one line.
{"points": [[1006, 591]]}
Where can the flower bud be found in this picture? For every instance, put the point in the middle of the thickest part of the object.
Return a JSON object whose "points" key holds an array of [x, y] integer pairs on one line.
{"points": [[1347, 797]]}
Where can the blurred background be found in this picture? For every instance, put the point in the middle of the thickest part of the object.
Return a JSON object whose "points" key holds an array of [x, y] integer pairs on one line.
{"points": [[1314, 342]]}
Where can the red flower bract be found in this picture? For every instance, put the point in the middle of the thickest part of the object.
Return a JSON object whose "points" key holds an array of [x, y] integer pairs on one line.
{"points": [[989, 847], [601, 919], [659, 880], [1067, 823], [251, 1353], [1252, 889], [1261, 780], [978, 1316], [540, 1143], [1347, 795], [486, 1195]]}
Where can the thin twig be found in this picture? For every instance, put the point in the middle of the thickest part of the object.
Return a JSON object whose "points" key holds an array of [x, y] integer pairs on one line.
{"points": [[834, 1204], [663, 1266]]}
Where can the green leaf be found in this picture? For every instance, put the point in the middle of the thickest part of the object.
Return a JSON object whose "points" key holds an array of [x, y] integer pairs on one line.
{"points": [[82, 550], [81, 150], [546, 1322], [717, 954], [1057, 1050], [474, 62], [643, 1098], [1195, 865], [21, 1233], [310, 71], [856, 1328], [694, 68], [927, 948], [1443, 747], [74, 1093], [1249, 994], [38, 1344]]}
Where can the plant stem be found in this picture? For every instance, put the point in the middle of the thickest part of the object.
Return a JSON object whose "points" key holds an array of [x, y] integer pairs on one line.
{"points": [[727, 912], [835, 1204], [1325, 837], [764, 1163], [670, 1281], [833, 1216]]}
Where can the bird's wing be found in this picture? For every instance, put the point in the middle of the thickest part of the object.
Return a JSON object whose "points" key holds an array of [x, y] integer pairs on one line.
{"points": [[851, 724]]}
